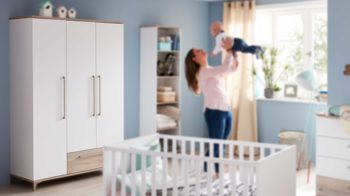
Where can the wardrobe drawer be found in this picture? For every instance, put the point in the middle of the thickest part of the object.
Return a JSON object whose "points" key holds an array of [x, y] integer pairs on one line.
{"points": [[333, 168], [332, 147], [330, 186], [84, 160], [331, 127]]}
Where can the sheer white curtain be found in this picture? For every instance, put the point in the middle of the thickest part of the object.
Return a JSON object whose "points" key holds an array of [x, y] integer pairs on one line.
{"points": [[238, 22]]}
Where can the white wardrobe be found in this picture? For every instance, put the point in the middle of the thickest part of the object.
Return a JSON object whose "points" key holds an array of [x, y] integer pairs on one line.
{"points": [[66, 92]]}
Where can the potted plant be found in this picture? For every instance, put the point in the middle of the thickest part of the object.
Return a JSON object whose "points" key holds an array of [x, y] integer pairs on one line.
{"points": [[269, 58]]}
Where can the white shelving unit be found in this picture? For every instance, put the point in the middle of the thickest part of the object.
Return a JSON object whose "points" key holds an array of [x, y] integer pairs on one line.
{"points": [[150, 80]]}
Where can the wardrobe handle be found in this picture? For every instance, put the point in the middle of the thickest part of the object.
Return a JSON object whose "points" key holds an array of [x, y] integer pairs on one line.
{"points": [[94, 96], [99, 95], [64, 97]]}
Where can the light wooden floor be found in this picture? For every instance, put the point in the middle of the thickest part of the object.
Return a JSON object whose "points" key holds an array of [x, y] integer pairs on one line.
{"points": [[91, 184]]}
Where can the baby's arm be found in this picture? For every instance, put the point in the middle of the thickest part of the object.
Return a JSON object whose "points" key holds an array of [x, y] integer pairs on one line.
{"points": [[218, 43]]}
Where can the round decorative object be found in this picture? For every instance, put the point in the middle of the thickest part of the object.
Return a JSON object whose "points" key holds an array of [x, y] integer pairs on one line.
{"points": [[61, 12], [46, 9], [72, 13], [268, 93]]}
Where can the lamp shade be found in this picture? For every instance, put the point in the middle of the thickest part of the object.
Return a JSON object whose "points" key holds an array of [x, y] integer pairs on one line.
{"points": [[307, 80]]}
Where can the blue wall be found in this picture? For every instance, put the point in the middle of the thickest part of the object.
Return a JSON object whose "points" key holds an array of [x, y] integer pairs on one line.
{"points": [[338, 51], [7, 8], [4, 93], [274, 116], [190, 16]]}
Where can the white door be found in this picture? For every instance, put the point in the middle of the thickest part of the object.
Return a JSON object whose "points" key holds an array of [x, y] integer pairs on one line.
{"points": [[109, 40], [49, 122], [81, 75]]}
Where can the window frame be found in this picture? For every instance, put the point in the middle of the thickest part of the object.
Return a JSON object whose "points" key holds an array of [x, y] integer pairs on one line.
{"points": [[307, 10]]}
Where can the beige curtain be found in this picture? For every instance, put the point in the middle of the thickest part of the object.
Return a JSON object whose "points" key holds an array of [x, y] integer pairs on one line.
{"points": [[238, 22]]}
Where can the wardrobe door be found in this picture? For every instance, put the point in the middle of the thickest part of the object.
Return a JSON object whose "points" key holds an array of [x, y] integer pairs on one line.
{"points": [[81, 75], [49, 83], [110, 83]]}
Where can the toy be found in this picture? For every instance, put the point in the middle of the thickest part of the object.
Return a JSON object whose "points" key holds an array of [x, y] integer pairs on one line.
{"points": [[72, 13], [61, 12], [46, 8]]}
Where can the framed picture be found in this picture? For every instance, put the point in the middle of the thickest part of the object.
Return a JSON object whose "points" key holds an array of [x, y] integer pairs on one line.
{"points": [[290, 90]]}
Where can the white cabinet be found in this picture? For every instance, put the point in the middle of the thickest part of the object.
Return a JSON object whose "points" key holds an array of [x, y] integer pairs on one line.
{"points": [[81, 89], [151, 78], [49, 127], [110, 82], [332, 157], [66, 92]]}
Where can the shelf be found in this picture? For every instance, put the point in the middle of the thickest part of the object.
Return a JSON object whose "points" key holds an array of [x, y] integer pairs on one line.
{"points": [[167, 128], [168, 51], [168, 77], [167, 103]]}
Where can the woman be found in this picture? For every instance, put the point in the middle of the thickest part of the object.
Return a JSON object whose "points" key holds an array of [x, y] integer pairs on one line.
{"points": [[210, 80]]}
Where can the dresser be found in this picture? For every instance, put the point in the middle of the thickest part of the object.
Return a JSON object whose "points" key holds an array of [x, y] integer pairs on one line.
{"points": [[332, 157]]}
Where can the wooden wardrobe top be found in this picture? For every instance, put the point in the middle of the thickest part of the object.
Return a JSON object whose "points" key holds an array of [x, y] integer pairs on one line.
{"points": [[67, 19]]}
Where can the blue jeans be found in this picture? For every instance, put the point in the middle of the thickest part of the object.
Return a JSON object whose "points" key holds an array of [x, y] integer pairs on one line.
{"points": [[219, 125]]}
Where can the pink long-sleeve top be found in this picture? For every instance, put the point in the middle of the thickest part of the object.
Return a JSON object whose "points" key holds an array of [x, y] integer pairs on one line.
{"points": [[212, 83]]}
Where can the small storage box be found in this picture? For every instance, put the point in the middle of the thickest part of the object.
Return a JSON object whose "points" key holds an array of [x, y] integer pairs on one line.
{"points": [[164, 46], [166, 96]]}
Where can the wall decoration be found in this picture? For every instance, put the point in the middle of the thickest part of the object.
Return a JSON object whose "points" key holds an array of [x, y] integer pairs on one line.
{"points": [[347, 70], [290, 90], [61, 12], [72, 13], [46, 8]]}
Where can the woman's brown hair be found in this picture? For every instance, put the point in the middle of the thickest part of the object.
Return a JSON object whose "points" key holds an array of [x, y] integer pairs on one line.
{"points": [[192, 69]]}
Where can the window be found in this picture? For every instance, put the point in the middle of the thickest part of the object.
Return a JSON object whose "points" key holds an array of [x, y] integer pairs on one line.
{"points": [[299, 32]]}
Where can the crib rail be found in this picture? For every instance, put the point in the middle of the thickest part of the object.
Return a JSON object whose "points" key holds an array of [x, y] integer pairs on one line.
{"points": [[178, 168]]}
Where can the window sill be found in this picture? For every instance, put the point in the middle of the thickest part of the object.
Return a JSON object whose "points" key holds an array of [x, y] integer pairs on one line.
{"points": [[292, 100]]}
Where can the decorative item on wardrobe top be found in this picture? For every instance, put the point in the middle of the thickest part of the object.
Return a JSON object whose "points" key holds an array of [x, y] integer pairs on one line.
{"points": [[46, 10]]}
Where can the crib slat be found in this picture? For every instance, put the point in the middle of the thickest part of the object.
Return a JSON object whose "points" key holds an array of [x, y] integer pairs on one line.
{"points": [[154, 175], [133, 175], [106, 171], [186, 177], [232, 171], [165, 147], [174, 165], [164, 173], [221, 152], [262, 152], [251, 153], [183, 152], [221, 179], [201, 146], [192, 154], [211, 149], [143, 171], [174, 146], [245, 180], [199, 165], [114, 174], [123, 172], [231, 151], [209, 177], [241, 152]]}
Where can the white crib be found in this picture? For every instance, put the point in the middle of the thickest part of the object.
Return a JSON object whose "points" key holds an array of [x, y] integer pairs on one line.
{"points": [[246, 168]]}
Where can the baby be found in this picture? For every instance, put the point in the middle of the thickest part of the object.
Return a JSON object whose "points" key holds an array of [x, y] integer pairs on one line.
{"points": [[239, 45]]}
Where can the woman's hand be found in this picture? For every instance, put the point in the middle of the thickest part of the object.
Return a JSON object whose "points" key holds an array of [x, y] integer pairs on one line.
{"points": [[227, 43]]}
